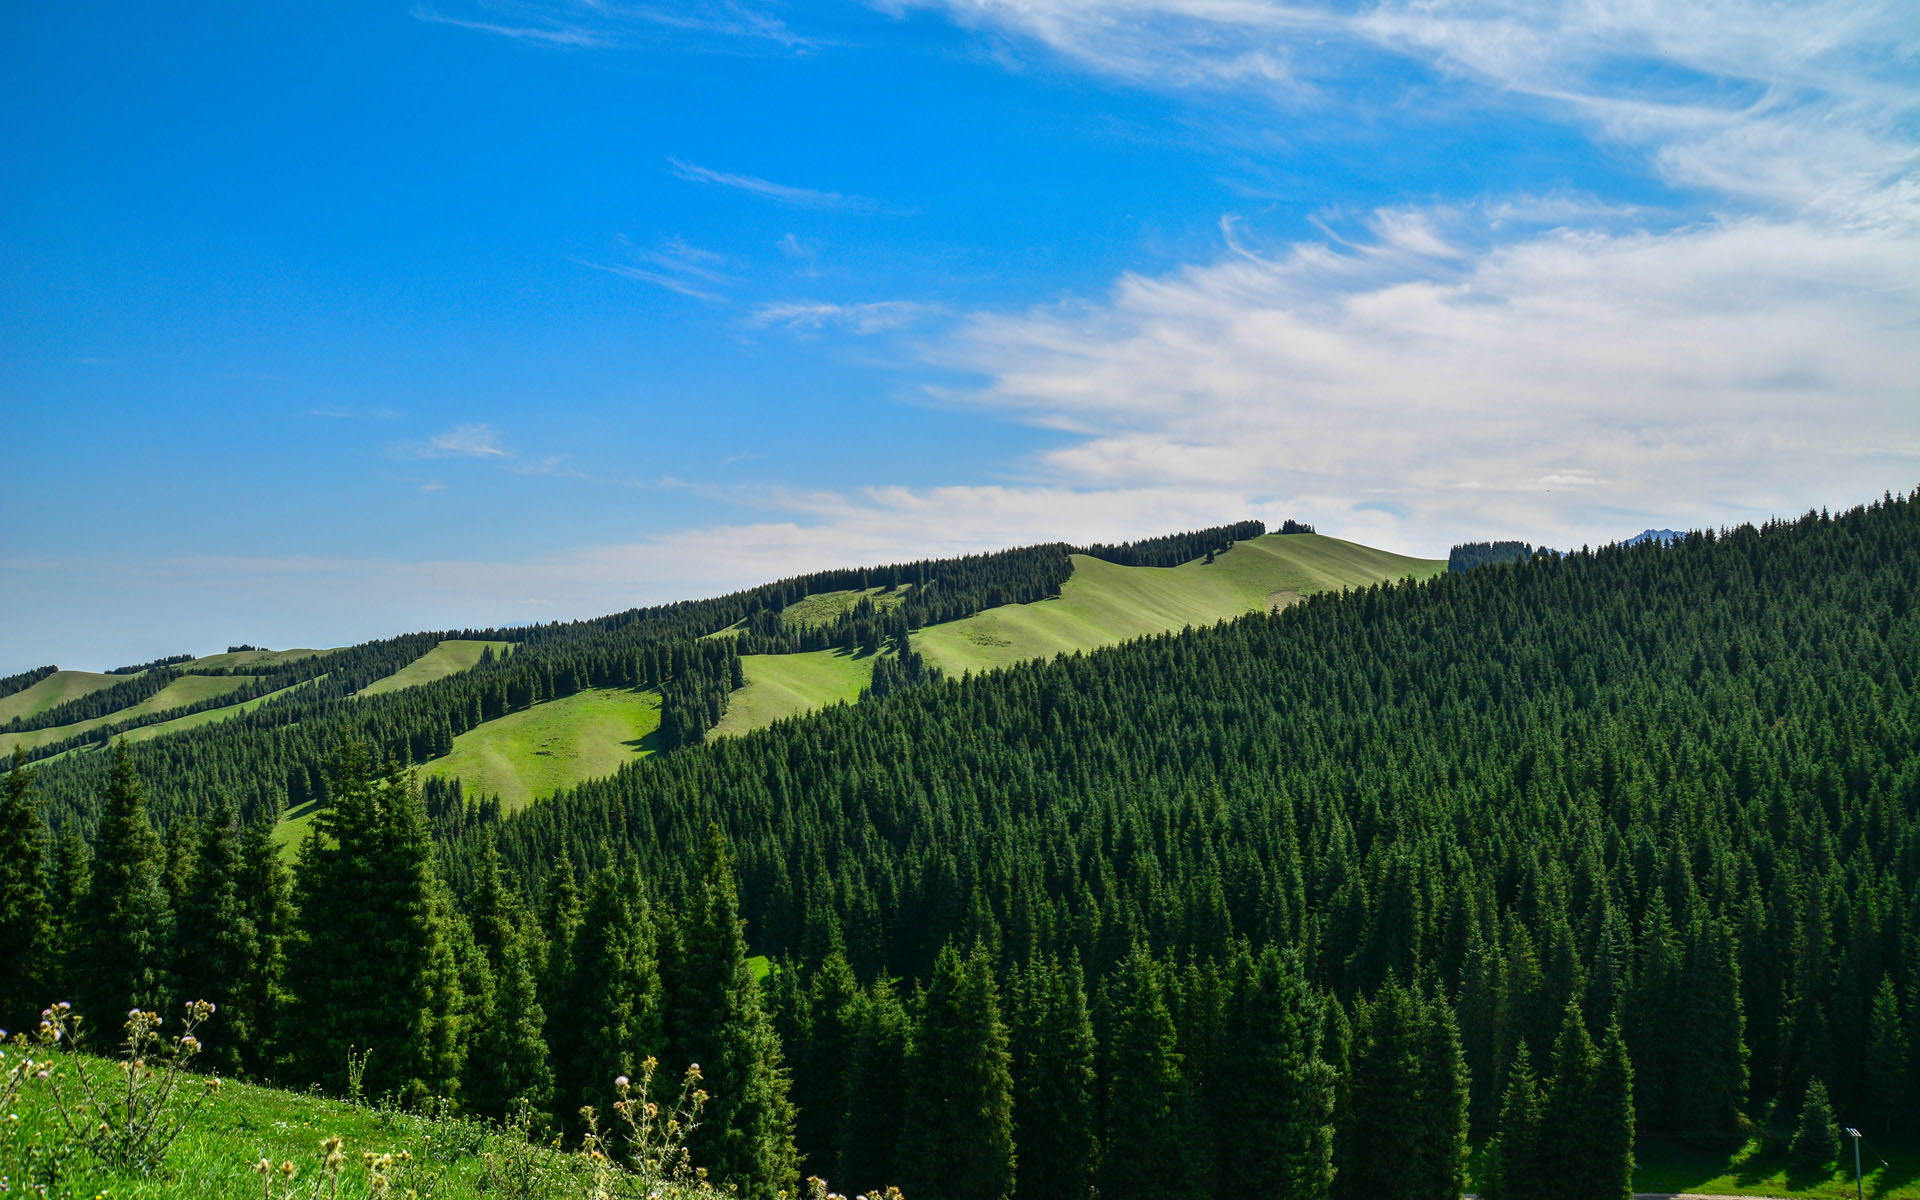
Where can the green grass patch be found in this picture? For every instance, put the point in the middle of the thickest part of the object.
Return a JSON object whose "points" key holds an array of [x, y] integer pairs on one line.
{"points": [[240, 1124], [253, 658], [823, 607], [450, 657], [1763, 1169], [188, 689], [210, 715], [785, 685], [531, 754], [57, 688], [1102, 604]]}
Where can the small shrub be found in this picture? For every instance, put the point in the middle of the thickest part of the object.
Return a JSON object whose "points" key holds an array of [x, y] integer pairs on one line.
{"points": [[126, 1120]]}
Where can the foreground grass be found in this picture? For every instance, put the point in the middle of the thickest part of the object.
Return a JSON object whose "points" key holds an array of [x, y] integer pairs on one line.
{"points": [[450, 657], [1102, 604], [239, 1124]]}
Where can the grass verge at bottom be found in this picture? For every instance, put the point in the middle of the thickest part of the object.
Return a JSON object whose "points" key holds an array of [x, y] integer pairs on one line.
{"points": [[1757, 1168], [238, 1125]]}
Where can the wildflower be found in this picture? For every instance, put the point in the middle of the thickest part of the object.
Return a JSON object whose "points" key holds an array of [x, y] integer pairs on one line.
{"points": [[621, 1081]]}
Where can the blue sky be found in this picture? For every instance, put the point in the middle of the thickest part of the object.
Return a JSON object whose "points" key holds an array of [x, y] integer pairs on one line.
{"points": [[326, 321]]}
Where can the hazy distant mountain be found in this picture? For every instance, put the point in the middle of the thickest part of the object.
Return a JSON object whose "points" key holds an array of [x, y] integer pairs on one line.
{"points": [[1663, 536]]}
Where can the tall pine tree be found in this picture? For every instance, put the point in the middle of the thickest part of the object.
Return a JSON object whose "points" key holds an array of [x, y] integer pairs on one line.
{"points": [[27, 928], [958, 1139], [125, 931], [716, 1019]]}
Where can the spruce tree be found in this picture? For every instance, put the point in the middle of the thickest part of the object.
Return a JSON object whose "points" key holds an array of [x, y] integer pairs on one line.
{"points": [[608, 1018], [823, 1063], [1401, 1133], [1442, 1150], [510, 1064], [1816, 1142], [1055, 1109], [373, 967], [1274, 1095], [1149, 1110], [1609, 1150], [1519, 1167], [219, 944], [1886, 1058], [27, 926], [876, 1092], [958, 1140], [1709, 1082], [267, 892], [69, 884], [716, 1019], [126, 927]]}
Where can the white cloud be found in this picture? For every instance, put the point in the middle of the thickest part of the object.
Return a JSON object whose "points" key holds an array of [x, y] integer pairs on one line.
{"points": [[1553, 384], [589, 24], [677, 266], [783, 193], [1801, 104], [873, 316], [462, 441]]}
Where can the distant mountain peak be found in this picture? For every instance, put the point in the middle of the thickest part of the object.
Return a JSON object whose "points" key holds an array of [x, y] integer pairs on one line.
{"points": [[1664, 536]]}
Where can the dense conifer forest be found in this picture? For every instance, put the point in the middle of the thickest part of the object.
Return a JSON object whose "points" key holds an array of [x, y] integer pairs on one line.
{"points": [[1561, 853]]}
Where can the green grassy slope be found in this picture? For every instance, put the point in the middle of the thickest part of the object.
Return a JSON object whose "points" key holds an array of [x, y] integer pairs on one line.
{"points": [[1102, 604], [530, 754], [254, 658], [188, 689], [782, 685], [450, 657], [57, 688], [823, 607], [210, 715]]}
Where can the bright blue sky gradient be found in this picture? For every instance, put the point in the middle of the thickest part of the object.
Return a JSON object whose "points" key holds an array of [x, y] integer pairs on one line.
{"points": [[321, 322]]}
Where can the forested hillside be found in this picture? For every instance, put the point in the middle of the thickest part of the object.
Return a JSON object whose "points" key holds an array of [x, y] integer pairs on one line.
{"points": [[1561, 852], [412, 696]]}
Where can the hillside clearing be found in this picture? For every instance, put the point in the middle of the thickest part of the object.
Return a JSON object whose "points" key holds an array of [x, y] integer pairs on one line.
{"points": [[57, 688], [450, 657], [1102, 604], [529, 755], [188, 689], [785, 685]]}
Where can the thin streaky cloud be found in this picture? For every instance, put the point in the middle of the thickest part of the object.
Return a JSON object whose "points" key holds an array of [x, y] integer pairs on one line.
{"points": [[783, 193], [873, 316], [657, 278], [480, 441], [592, 24]]}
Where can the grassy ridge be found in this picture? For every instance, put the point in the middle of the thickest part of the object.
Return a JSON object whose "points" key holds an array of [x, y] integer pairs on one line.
{"points": [[450, 657], [1102, 604], [783, 685], [528, 755], [823, 607], [57, 688], [234, 659], [188, 689]]}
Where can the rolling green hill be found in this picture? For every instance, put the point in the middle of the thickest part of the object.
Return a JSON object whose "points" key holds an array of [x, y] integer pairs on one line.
{"points": [[450, 657], [57, 688], [254, 660], [188, 689], [1102, 604]]}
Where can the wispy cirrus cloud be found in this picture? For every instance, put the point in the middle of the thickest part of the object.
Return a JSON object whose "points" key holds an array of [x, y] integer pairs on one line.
{"points": [[480, 441], [1798, 104], [867, 317], [588, 24], [780, 192], [675, 265]]}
